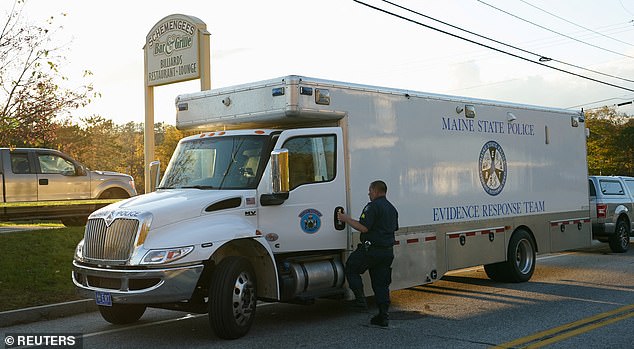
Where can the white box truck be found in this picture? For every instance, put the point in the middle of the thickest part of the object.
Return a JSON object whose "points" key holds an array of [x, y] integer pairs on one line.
{"points": [[246, 210]]}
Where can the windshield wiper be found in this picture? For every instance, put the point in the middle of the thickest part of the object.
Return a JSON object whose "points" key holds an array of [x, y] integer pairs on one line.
{"points": [[202, 187], [163, 188]]}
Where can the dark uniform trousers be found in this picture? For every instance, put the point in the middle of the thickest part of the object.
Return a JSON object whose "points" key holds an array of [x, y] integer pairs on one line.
{"points": [[378, 261]]}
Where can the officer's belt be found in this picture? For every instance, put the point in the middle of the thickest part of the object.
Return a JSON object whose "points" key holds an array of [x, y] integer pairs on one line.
{"points": [[370, 245]]}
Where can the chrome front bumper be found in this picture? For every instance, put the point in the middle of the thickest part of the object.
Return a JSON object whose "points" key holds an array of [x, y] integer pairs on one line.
{"points": [[143, 286]]}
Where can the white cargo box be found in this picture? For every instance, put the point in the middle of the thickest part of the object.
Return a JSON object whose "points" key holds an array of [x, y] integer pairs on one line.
{"points": [[274, 103]]}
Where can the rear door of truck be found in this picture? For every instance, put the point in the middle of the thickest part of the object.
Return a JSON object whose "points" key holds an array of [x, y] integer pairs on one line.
{"points": [[20, 179]]}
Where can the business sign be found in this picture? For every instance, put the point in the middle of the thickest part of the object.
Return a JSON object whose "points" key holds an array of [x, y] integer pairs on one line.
{"points": [[172, 50]]}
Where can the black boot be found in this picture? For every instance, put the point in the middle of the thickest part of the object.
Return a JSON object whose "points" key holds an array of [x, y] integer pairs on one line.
{"points": [[358, 304], [382, 319]]}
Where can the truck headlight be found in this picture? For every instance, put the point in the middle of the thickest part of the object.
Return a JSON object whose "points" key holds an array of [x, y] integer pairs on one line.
{"points": [[79, 250], [166, 256]]}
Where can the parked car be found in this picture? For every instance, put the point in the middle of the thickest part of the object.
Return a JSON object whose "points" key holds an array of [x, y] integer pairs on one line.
{"points": [[612, 210], [40, 183]]}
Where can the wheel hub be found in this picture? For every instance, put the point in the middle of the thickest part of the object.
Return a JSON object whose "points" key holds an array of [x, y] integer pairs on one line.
{"points": [[524, 256], [243, 298]]}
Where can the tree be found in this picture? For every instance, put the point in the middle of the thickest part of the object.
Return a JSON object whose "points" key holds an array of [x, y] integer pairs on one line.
{"points": [[168, 142], [31, 94], [131, 140], [611, 142], [626, 144]]}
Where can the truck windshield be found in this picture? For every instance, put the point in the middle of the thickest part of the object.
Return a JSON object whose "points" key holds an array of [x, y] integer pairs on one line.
{"points": [[231, 162]]}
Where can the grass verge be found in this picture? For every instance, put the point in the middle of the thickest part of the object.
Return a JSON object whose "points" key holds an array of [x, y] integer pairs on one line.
{"points": [[35, 267]]}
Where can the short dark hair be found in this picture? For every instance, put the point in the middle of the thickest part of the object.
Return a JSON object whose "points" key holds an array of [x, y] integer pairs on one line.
{"points": [[379, 186]]}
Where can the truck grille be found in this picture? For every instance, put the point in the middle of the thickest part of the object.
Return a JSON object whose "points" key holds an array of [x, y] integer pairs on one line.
{"points": [[112, 243]]}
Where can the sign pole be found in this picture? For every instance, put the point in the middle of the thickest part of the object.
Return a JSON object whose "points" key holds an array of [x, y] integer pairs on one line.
{"points": [[176, 49], [148, 137], [205, 65]]}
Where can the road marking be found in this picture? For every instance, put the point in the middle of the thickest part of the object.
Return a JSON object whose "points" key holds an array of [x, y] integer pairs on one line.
{"points": [[133, 327], [148, 324], [572, 329], [479, 267]]}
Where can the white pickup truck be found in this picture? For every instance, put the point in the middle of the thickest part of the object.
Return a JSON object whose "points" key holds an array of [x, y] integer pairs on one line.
{"points": [[612, 210], [40, 183]]}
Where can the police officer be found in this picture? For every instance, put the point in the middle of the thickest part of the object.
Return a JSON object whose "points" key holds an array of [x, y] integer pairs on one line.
{"points": [[377, 224]]}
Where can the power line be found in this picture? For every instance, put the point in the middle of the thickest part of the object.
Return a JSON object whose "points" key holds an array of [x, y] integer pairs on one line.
{"points": [[575, 24], [604, 100], [626, 10], [553, 31], [542, 58], [489, 47]]}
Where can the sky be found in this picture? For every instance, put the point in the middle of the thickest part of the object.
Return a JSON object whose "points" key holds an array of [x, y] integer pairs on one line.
{"points": [[342, 40]]}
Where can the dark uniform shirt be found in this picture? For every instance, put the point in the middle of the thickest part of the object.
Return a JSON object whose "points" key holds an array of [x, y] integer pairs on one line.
{"points": [[381, 219]]}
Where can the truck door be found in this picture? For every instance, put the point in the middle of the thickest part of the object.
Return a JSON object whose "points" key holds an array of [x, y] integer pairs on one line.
{"points": [[59, 178], [306, 220], [21, 182]]}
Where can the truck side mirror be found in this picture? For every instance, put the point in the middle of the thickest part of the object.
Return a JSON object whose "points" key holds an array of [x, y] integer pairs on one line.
{"points": [[155, 175], [81, 170], [279, 179], [279, 171]]}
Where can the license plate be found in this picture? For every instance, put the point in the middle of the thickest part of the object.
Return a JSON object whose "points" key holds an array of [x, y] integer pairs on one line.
{"points": [[103, 298]]}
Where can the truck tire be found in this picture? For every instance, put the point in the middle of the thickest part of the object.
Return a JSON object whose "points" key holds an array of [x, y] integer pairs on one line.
{"points": [[232, 298], [114, 193], [620, 241], [520, 260], [496, 271], [74, 221], [121, 314]]}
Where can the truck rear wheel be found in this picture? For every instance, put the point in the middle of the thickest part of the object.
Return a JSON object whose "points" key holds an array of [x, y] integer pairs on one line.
{"points": [[121, 314], [496, 271], [520, 260], [620, 241], [232, 298]]}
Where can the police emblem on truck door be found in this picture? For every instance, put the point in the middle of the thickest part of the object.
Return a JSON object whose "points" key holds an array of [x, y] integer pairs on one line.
{"points": [[492, 168], [310, 220]]}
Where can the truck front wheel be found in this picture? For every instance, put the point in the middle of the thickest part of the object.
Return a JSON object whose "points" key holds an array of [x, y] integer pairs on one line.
{"points": [[121, 314], [620, 241], [520, 261], [232, 298]]}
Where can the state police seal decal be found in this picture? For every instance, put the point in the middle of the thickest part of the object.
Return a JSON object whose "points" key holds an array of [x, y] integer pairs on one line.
{"points": [[492, 168], [310, 220]]}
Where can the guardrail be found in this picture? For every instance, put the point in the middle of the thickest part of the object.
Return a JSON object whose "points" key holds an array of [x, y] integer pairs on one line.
{"points": [[57, 203], [54, 209]]}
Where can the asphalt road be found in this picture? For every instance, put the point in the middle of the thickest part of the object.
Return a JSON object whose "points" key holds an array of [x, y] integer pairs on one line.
{"points": [[576, 299]]}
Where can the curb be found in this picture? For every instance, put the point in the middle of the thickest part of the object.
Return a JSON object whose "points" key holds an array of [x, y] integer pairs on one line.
{"points": [[46, 312]]}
